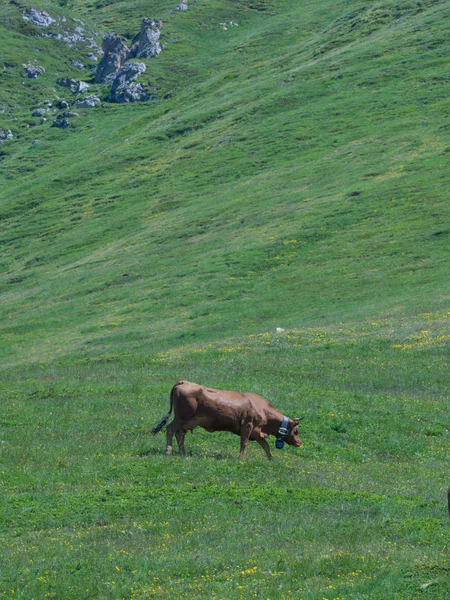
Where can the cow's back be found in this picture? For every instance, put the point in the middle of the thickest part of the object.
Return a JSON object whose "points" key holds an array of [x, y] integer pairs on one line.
{"points": [[213, 409], [261, 404]]}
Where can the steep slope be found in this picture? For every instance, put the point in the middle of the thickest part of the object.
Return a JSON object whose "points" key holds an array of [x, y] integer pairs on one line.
{"points": [[292, 167]]}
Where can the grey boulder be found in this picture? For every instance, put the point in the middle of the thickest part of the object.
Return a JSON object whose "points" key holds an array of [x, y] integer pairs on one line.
{"points": [[61, 122], [5, 135], [33, 71], [68, 83], [88, 102]]}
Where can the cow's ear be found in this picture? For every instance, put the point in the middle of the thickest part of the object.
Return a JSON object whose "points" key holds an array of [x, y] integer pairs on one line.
{"points": [[296, 421]]}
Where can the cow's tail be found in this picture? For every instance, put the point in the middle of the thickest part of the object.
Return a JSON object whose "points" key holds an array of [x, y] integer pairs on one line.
{"points": [[163, 423]]}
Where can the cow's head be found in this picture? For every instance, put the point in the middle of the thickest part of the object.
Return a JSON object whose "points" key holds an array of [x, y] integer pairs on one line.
{"points": [[288, 433], [292, 437]]}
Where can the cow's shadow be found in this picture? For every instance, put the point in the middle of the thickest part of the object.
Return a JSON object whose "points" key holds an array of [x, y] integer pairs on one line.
{"points": [[219, 456], [162, 452], [150, 452]]}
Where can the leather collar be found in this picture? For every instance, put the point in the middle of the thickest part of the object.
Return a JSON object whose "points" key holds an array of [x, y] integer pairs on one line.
{"points": [[282, 433]]}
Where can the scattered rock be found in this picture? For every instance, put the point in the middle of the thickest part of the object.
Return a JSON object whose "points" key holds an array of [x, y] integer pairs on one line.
{"points": [[39, 112], [77, 87], [76, 36], [70, 113], [88, 102], [36, 142], [38, 17], [62, 104], [72, 33], [69, 83], [124, 89], [76, 63], [33, 71], [425, 586], [115, 53], [91, 56], [61, 122], [146, 42], [280, 330], [82, 87], [5, 135], [226, 26], [182, 6], [286, 81]]}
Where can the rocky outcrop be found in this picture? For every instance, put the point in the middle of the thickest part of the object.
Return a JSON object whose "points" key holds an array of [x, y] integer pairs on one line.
{"points": [[114, 69], [38, 17], [115, 53], [146, 43], [5, 135], [124, 88], [33, 71]]}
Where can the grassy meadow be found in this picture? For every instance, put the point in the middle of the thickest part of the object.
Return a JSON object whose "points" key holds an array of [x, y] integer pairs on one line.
{"points": [[292, 173]]}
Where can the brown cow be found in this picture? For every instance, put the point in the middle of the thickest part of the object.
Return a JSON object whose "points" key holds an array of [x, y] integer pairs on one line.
{"points": [[248, 415]]}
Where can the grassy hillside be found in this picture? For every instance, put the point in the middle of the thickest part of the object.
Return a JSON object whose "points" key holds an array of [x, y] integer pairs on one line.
{"points": [[299, 168], [291, 172]]}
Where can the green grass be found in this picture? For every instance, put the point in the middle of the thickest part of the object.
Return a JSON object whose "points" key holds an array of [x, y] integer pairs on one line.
{"points": [[296, 177], [360, 510]]}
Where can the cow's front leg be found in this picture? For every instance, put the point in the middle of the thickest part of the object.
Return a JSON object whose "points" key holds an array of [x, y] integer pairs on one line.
{"points": [[180, 439], [265, 446], [246, 430]]}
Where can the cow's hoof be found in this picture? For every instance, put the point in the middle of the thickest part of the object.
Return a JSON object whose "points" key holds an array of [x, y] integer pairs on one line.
{"points": [[169, 450]]}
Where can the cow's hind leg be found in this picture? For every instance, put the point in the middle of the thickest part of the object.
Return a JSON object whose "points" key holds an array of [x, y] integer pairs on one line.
{"points": [[180, 439], [246, 429], [169, 436]]}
